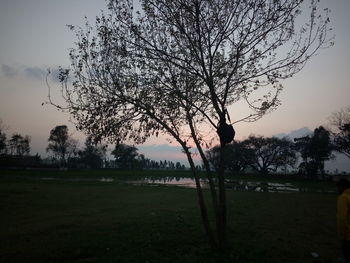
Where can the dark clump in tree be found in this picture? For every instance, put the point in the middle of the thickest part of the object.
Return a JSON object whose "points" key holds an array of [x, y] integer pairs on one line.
{"points": [[175, 67], [314, 150]]}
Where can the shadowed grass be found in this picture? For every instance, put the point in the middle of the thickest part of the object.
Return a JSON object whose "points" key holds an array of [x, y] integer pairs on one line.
{"points": [[62, 221]]}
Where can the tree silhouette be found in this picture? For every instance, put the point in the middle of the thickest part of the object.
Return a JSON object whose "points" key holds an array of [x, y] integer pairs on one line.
{"points": [[93, 154], [237, 157], [3, 142], [19, 145], [340, 121], [270, 153], [60, 144], [125, 155], [3, 139], [175, 67], [315, 150]]}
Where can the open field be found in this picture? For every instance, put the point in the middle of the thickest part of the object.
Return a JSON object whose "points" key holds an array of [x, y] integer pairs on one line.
{"points": [[91, 221]]}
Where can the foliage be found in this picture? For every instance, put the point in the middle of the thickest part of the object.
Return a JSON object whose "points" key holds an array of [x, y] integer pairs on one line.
{"points": [[342, 140], [236, 157], [340, 120], [20, 161], [314, 150], [60, 144], [19, 145], [175, 67], [3, 142], [125, 155], [270, 153], [92, 156]]}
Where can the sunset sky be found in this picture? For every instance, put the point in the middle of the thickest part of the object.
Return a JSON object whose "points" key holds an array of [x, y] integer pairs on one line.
{"points": [[34, 37]]}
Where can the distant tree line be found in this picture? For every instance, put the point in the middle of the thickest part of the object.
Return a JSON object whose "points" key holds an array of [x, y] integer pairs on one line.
{"points": [[265, 155], [15, 150], [65, 153], [255, 154]]}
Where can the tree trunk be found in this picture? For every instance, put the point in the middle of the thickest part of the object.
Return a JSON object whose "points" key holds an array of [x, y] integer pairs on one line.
{"points": [[215, 201], [222, 213], [201, 202]]}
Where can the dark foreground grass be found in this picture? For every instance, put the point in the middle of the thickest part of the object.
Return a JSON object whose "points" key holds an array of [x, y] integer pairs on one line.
{"points": [[62, 221]]}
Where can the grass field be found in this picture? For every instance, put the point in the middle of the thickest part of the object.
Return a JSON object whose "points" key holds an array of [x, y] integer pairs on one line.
{"points": [[90, 221]]}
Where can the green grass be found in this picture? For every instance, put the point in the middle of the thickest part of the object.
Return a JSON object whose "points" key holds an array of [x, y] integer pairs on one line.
{"points": [[63, 221]]}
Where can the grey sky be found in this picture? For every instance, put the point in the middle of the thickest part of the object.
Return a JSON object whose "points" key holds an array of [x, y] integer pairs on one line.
{"points": [[34, 37]]}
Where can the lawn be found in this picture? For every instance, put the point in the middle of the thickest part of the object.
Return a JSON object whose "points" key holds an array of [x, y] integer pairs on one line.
{"points": [[66, 221]]}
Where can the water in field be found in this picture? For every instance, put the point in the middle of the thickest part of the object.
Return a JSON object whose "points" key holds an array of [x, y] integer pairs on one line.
{"points": [[235, 185], [240, 185], [262, 186], [177, 181]]}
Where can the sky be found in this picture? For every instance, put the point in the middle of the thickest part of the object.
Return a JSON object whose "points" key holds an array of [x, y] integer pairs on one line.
{"points": [[34, 37]]}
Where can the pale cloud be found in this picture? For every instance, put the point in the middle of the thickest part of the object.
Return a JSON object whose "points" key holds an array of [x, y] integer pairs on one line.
{"points": [[9, 71], [30, 72], [35, 73], [295, 133]]}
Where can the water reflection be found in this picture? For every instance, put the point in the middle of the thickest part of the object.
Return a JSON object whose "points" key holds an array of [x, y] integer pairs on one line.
{"points": [[261, 186], [235, 185], [230, 184], [103, 179], [176, 181], [107, 180]]}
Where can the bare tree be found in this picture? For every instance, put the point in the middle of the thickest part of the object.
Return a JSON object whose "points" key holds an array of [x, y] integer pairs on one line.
{"points": [[174, 67], [19, 145], [3, 139], [340, 123]]}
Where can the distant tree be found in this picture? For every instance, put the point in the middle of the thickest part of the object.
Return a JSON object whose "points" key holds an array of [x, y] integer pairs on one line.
{"points": [[61, 144], [3, 139], [92, 156], [142, 161], [237, 156], [19, 145], [342, 140], [178, 166], [176, 67], [165, 164], [270, 153], [314, 150], [340, 122], [125, 155], [155, 164], [3, 142]]}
